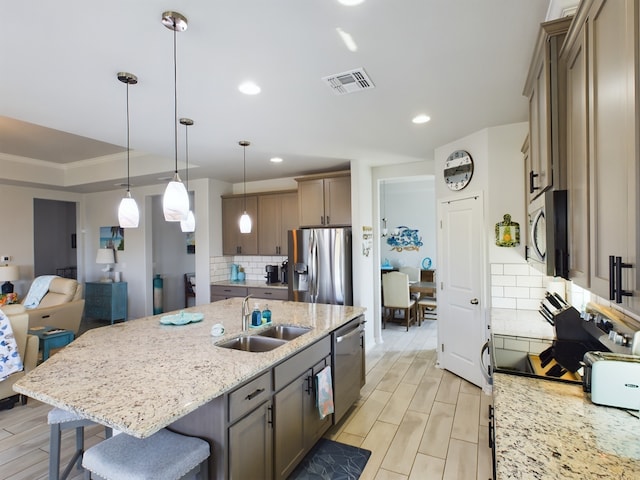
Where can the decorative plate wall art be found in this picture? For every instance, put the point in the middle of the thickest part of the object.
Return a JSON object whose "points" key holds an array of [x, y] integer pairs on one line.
{"points": [[405, 238]]}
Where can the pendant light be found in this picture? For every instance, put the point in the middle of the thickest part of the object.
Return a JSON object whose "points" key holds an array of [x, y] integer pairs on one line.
{"points": [[175, 203], [245, 219], [128, 213], [188, 225]]}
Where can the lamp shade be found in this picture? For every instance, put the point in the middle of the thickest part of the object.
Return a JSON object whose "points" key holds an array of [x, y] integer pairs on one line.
{"points": [[9, 273], [188, 225], [128, 214], [245, 223], [175, 203], [105, 256]]}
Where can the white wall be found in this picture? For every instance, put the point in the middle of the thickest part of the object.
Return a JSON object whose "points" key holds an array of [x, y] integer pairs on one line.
{"points": [[16, 240], [409, 202]]}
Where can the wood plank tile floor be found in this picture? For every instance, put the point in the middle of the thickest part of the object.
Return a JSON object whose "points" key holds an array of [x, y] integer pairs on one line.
{"points": [[419, 422]]}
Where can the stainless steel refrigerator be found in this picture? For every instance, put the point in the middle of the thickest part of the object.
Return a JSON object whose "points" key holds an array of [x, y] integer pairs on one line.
{"points": [[320, 266]]}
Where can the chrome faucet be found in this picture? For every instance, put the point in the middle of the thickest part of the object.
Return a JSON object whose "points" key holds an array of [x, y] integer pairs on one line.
{"points": [[246, 313]]}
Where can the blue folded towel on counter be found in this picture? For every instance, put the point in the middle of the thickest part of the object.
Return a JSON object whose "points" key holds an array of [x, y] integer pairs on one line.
{"points": [[324, 392]]}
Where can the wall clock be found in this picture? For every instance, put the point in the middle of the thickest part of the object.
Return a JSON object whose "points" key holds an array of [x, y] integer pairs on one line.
{"points": [[458, 170]]}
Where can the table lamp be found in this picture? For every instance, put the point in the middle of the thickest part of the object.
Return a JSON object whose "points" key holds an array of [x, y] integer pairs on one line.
{"points": [[8, 273], [105, 257]]}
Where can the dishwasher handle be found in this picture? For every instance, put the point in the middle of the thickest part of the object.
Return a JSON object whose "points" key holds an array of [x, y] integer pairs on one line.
{"points": [[352, 333]]}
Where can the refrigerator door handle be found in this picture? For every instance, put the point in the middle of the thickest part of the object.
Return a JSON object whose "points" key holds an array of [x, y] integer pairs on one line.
{"points": [[313, 267]]}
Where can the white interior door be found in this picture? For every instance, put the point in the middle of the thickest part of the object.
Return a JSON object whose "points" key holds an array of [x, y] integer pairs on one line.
{"points": [[460, 319]]}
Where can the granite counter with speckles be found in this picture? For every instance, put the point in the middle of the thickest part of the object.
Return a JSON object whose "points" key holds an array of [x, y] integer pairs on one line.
{"points": [[551, 430], [140, 376]]}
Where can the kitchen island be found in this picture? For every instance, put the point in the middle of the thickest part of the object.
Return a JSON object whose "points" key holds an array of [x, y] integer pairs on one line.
{"points": [[551, 430], [141, 376]]}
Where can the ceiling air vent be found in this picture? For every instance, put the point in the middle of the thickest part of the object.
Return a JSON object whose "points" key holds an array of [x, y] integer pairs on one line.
{"points": [[349, 82]]}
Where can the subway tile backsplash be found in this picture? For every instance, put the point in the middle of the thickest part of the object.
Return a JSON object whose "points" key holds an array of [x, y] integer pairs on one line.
{"points": [[253, 266], [517, 286]]}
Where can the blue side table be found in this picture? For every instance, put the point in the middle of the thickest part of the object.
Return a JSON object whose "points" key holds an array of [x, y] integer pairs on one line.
{"points": [[51, 338]]}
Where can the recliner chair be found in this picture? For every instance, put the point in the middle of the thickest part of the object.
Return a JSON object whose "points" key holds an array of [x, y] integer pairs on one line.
{"points": [[61, 306], [28, 349]]}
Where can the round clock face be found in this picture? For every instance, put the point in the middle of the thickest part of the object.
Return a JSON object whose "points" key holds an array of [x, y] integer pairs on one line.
{"points": [[458, 170]]}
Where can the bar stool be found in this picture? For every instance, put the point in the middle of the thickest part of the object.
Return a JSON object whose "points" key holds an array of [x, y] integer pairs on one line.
{"points": [[165, 454], [427, 307], [59, 420]]}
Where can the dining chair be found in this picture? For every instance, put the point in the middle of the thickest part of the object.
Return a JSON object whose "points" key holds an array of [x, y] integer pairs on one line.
{"points": [[189, 292], [395, 286], [414, 276]]}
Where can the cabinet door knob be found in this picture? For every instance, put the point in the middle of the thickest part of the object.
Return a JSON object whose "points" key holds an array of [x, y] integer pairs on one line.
{"points": [[474, 301]]}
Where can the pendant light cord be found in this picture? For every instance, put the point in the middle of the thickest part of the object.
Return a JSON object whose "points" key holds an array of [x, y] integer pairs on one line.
{"points": [[244, 175], [128, 178], [186, 151], [175, 95]]}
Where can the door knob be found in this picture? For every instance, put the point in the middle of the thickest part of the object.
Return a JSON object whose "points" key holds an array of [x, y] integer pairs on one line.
{"points": [[473, 301]]}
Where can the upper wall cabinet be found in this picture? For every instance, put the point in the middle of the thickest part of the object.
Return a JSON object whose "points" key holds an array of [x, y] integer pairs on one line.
{"points": [[325, 200], [601, 61], [277, 214], [543, 86], [234, 242]]}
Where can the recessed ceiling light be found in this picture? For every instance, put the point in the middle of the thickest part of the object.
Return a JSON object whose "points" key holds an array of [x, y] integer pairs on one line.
{"points": [[350, 3], [249, 88], [276, 160], [348, 40], [422, 118]]}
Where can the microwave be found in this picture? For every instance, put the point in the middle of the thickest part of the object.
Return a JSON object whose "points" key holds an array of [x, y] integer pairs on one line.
{"points": [[547, 248]]}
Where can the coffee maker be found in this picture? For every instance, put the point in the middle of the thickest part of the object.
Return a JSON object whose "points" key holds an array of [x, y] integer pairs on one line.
{"points": [[272, 274]]}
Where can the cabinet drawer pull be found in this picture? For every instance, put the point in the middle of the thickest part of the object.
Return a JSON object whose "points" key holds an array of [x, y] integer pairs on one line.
{"points": [[253, 395]]}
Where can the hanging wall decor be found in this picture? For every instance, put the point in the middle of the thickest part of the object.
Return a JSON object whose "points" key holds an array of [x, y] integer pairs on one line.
{"points": [[367, 240], [507, 232], [112, 237], [404, 238], [191, 243]]}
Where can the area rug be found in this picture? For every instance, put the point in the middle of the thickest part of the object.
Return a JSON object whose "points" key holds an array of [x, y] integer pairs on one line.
{"points": [[329, 460]]}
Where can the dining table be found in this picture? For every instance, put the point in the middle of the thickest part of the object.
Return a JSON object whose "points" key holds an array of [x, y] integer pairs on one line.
{"points": [[427, 289]]}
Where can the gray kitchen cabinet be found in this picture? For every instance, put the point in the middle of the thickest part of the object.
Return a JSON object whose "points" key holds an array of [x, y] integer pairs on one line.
{"points": [[268, 293], [574, 60], [251, 445], [605, 37], [234, 242], [277, 214], [543, 87], [298, 425], [222, 292], [325, 201]]}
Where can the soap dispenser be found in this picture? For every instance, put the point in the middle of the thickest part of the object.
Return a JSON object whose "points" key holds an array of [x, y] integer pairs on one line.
{"points": [[266, 315], [256, 317]]}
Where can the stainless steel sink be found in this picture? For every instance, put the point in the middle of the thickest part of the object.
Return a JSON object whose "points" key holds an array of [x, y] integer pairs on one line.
{"points": [[284, 332], [254, 343]]}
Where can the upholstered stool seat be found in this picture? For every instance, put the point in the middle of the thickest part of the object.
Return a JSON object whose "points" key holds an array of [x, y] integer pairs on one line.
{"points": [[427, 308], [59, 420], [164, 455]]}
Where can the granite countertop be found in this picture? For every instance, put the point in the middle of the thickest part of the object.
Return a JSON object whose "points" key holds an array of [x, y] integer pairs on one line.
{"points": [[140, 376], [251, 284], [551, 430], [523, 323]]}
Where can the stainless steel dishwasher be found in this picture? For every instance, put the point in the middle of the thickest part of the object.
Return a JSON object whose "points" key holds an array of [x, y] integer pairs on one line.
{"points": [[348, 366]]}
